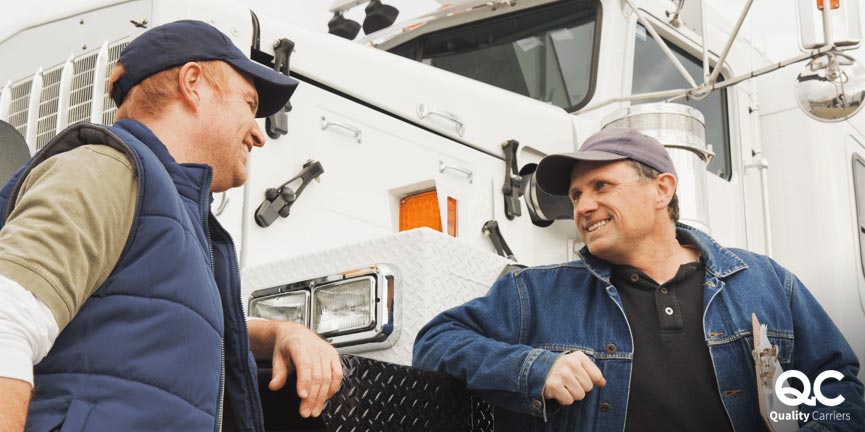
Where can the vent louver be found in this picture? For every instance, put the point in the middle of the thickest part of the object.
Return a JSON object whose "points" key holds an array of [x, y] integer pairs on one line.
{"points": [[18, 108], [80, 96]]}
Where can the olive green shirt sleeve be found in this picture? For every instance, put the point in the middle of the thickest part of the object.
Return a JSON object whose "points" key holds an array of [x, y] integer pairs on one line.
{"points": [[69, 226]]}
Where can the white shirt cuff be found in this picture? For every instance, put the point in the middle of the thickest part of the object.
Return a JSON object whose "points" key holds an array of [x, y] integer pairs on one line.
{"points": [[27, 331]]}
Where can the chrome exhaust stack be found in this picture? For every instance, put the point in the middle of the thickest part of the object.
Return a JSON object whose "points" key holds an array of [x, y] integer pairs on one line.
{"points": [[681, 129]]}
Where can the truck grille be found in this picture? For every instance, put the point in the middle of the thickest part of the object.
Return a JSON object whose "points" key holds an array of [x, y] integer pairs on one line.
{"points": [[80, 96], [108, 103], [18, 108], [48, 107], [82, 89]]}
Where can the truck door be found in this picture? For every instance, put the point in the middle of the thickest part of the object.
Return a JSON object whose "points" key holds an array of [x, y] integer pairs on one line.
{"points": [[652, 71]]}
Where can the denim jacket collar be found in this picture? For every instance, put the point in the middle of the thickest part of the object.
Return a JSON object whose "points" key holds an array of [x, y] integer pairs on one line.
{"points": [[720, 261]]}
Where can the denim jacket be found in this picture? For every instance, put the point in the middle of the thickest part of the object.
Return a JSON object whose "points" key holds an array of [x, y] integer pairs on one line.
{"points": [[503, 345]]}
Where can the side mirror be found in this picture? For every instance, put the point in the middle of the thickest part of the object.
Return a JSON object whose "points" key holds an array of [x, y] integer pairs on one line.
{"points": [[831, 88], [13, 151], [837, 24]]}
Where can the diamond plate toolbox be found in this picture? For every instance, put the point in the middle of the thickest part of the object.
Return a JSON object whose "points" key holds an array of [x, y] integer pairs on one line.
{"points": [[378, 396], [434, 272]]}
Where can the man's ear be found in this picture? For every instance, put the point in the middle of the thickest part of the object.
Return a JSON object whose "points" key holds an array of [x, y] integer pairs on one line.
{"points": [[191, 85], [666, 187]]}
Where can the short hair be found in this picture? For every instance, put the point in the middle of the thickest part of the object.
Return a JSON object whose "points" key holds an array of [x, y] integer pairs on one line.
{"points": [[149, 97], [646, 172]]}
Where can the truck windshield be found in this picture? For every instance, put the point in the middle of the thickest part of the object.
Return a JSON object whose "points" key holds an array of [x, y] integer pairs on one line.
{"points": [[546, 53]]}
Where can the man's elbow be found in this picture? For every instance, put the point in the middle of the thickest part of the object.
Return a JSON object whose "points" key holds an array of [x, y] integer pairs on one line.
{"points": [[419, 359], [423, 353]]}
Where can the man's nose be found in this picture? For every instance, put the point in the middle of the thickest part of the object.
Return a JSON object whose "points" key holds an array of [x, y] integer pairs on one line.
{"points": [[585, 205], [258, 139]]}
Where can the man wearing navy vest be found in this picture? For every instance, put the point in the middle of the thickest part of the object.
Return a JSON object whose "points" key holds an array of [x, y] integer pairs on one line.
{"points": [[119, 290]]}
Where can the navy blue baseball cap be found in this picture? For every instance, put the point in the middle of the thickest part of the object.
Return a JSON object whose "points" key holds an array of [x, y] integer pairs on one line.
{"points": [[554, 171], [180, 42]]}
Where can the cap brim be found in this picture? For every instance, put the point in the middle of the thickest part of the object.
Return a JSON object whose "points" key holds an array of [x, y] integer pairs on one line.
{"points": [[274, 89], [554, 172]]}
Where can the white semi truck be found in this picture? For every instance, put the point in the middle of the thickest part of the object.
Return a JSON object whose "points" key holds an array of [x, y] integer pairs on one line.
{"points": [[399, 182]]}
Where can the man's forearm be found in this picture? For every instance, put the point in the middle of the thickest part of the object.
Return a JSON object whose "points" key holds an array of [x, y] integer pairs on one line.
{"points": [[261, 336], [14, 399]]}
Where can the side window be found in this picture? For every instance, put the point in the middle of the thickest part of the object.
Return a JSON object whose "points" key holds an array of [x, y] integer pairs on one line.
{"points": [[654, 72], [547, 53], [859, 190]]}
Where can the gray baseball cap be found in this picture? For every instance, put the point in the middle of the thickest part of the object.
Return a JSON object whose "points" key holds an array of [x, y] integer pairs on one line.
{"points": [[554, 171]]}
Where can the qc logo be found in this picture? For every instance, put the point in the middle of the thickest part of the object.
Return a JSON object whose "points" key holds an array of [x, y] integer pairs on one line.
{"points": [[792, 397]]}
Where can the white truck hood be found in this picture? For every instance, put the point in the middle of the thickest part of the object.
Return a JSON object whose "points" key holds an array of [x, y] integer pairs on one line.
{"points": [[489, 115]]}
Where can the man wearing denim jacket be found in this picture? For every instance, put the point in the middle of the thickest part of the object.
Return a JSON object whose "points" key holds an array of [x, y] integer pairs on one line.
{"points": [[651, 329]]}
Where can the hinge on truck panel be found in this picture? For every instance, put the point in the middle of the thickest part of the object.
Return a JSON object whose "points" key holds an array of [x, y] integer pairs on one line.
{"points": [[512, 189], [491, 230], [277, 124], [278, 201]]}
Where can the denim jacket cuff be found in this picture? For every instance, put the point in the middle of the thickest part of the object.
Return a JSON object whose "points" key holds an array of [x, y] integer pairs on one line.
{"points": [[533, 377]]}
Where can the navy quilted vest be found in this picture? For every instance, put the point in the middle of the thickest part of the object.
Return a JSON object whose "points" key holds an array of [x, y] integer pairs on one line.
{"points": [[161, 341]]}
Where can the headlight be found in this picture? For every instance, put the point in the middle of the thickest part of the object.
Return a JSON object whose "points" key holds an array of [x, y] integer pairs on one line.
{"points": [[291, 306], [355, 309], [344, 306]]}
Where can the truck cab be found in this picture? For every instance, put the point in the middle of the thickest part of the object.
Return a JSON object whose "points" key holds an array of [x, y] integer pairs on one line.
{"points": [[402, 169]]}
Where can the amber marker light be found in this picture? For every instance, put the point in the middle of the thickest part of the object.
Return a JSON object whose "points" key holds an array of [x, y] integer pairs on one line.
{"points": [[834, 4], [420, 210], [452, 217]]}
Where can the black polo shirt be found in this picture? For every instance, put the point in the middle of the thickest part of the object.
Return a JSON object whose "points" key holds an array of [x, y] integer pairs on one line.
{"points": [[673, 385]]}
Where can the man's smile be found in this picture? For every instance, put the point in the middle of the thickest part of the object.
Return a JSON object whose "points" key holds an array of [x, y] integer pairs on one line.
{"points": [[594, 226]]}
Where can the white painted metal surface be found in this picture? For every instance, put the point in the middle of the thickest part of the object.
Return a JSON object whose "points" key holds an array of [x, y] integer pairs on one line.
{"points": [[63, 96], [358, 195], [399, 86], [98, 82], [33, 109]]}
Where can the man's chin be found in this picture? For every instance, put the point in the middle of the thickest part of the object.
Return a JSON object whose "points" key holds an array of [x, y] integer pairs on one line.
{"points": [[220, 187], [239, 179], [598, 248]]}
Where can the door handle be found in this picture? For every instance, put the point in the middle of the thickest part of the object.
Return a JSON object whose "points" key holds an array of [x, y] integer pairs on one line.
{"points": [[325, 123], [459, 126]]}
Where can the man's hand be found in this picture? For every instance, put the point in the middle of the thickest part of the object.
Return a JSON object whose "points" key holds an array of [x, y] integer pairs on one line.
{"points": [[14, 399], [571, 377], [294, 348]]}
